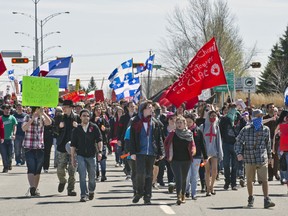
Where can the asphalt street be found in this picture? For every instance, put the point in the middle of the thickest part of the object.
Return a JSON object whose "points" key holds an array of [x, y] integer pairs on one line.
{"points": [[114, 197]]}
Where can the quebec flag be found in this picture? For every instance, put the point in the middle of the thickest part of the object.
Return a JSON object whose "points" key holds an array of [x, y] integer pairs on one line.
{"points": [[149, 62], [127, 88], [148, 65], [122, 73], [56, 69], [11, 75], [137, 95]]}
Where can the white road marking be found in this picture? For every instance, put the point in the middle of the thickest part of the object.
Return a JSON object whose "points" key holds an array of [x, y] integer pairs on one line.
{"points": [[166, 209]]}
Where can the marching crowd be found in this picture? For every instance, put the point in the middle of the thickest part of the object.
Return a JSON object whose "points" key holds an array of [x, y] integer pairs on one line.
{"points": [[148, 140]]}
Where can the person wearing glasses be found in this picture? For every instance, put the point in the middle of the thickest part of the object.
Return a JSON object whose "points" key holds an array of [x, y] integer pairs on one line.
{"points": [[86, 143]]}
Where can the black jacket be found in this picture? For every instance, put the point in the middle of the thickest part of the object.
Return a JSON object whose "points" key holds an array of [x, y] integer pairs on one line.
{"points": [[102, 122], [123, 124], [229, 132], [157, 141], [66, 132], [86, 142], [199, 143]]}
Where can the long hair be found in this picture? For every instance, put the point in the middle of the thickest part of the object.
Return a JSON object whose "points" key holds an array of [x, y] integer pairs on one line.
{"points": [[283, 114]]}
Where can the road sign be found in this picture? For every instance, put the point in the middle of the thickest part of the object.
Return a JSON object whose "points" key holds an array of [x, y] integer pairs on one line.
{"points": [[249, 84], [238, 84], [230, 81], [11, 54], [157, 66]]}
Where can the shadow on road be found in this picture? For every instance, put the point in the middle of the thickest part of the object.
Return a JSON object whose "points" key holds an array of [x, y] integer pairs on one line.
{"points": [[56, 202], [28, 197]]}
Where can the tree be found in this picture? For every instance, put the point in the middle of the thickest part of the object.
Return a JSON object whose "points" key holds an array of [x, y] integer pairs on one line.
{"points": [[190, 28], [274, 79], [91, 85]]}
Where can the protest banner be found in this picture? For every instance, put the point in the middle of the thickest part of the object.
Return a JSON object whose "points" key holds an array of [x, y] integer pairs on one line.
{"points": [[40, 91]]}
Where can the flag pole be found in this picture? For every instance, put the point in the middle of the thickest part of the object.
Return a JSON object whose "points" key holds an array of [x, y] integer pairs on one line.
{"points": [[149, 73]]}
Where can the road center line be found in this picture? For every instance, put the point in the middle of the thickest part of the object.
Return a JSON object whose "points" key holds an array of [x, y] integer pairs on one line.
{"points": [[166, 209]]}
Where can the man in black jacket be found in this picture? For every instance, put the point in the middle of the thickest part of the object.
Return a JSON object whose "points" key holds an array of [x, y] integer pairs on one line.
{"points": [[87, 143], [146, 145], [230, 126], [65, 124]]}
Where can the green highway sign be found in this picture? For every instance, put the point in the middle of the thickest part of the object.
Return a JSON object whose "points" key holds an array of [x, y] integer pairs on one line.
{"points": [[230, 81]]}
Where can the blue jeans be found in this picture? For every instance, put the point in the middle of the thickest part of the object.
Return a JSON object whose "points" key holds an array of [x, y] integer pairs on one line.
{"points": [[102, 163], [6, 149], [285, 173], [229, 158], [118, 153], [34, 160], [19, 150], [192, 177], [86, 164]]}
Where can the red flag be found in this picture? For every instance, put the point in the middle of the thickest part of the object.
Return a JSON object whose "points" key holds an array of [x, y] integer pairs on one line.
{"points": [[191, 103], [2, 65], [204, 71]]}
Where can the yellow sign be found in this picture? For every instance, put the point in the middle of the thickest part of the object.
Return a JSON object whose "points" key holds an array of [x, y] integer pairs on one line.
{"points": [[40, 91], [77, 85]]}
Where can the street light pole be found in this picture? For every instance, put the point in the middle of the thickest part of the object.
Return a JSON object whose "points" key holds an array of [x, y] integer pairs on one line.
{"points": [[36, 36], [41, 24], [41, 39]]}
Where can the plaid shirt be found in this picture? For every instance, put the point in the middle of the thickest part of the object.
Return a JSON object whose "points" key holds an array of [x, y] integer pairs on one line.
{"points": [[34, 135], [255, 146]]}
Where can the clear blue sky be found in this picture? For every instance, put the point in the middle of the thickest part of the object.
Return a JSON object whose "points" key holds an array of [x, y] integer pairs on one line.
{"points": [[101, 34]]}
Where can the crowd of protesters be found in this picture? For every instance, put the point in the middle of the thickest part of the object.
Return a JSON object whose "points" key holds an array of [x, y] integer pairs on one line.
{"points": [[148, 140]]}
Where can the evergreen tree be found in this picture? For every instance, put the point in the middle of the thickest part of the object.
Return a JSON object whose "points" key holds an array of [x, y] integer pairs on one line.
{"points": [[92, 85], [274, 79]]}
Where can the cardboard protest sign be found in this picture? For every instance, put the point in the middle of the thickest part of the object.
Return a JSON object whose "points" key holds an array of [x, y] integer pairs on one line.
{"points": [[40, 91]]}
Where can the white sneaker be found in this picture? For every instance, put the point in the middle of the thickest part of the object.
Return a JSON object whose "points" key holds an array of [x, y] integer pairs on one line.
{"points": [[117, 165]]}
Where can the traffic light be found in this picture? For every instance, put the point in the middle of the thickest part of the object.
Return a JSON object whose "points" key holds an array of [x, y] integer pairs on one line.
{"points": [[136, 65], [20, 60], [255, 64]]}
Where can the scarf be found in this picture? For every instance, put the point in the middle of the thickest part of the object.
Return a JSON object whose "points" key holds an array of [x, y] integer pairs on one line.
{"points": [[184, 134], [148, 121], [257, 122], [232, 115]]}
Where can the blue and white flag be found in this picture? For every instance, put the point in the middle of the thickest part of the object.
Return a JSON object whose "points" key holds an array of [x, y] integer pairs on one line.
{"points": [[148, 65], [137, 95], [149, 62], [121, 73], [127, 88], [286, 97], [11, 75], [56, 69]]}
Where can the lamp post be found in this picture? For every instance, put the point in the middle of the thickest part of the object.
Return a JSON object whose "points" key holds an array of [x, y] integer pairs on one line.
{"points": [[41, 24], [39, 40], [36, 37], [42, 37]]}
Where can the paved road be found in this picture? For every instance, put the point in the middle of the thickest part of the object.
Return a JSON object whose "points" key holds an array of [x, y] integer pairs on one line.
{"points": [[114, 198]]}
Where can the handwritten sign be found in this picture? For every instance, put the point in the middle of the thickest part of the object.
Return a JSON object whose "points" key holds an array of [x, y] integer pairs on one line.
{"points": [[40, 91]]}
